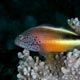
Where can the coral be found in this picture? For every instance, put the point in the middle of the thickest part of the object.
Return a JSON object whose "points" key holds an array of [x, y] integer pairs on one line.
{"points": [[74, 24], [72, 70], [35, 69]]}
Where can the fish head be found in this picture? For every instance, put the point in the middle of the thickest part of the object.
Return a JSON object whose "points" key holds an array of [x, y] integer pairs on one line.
{"points": [[28, 40]]}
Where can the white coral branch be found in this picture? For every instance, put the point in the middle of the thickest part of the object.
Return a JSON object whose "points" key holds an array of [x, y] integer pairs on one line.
{"points": [[74, 24], [38, 70]]}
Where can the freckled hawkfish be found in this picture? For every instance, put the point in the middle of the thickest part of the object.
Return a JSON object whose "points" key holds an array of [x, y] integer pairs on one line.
{"points": [[48, 39]]}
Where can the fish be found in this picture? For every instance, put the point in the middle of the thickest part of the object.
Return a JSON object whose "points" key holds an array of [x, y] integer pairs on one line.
{"points": [[49, 39]]}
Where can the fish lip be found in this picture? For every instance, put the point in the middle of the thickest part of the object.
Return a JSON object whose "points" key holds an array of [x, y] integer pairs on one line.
{"points": [[16, 42]]}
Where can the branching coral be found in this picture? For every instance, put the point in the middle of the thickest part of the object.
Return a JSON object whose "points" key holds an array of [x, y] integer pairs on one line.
{"points": [[72, 70], [74, 24], [30, 69]]}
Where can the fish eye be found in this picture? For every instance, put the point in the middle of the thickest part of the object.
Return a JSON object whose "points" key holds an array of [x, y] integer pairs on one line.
{"points": [[21, 37]]}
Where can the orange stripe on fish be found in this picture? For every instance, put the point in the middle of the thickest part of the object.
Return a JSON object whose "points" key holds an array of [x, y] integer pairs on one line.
{"points": [[59, 45]]}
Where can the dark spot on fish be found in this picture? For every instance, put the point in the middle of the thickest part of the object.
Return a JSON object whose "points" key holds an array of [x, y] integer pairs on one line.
{"points": [[39, 41], [26, 36], [35, 37]]}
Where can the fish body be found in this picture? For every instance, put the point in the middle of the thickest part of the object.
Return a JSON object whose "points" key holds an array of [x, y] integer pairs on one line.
{"points": [[47, 39]]}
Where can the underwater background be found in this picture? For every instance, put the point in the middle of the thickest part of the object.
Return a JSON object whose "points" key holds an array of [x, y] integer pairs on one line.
{"points": [[17, 16]]}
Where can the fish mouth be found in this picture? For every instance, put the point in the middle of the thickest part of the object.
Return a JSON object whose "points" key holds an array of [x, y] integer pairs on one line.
{"points": [[16, 42], [19, 43]]}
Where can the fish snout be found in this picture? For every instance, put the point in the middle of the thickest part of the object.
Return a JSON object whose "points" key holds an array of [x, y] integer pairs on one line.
{"points": [[19, 41]]}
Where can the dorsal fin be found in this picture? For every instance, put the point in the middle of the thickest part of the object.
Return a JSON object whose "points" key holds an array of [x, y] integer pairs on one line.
{"points": [[58, 30]]}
